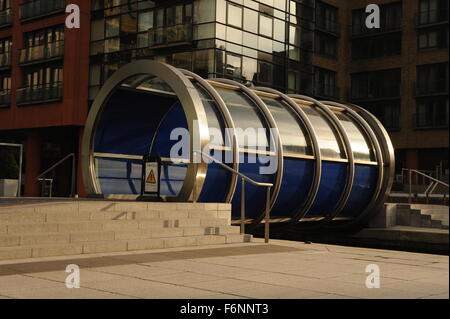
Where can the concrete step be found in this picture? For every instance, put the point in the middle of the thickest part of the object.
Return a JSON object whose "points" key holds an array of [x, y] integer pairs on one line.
{"points": [[99, 225], [89, 236], [40, 217], [436, 224], [66, 249]]}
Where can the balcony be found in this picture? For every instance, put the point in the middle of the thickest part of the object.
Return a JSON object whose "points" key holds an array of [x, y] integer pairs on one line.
{"points": [[41, 53], [37, 8], [181, 34], [328, 26], [5, 18], [431, 17], [5, 60], [50, 92], [5, 98]]}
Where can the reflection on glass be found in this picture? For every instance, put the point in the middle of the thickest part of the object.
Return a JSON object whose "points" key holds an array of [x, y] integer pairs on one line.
{"points": [[361, 147], [234, 15], [292, 134], [214, 117], [265, 26], [247, 119], [326, 135]]}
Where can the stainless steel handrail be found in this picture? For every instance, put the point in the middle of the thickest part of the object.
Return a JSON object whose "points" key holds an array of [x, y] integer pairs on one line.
{"points": [[40, 176], [248, 179], [430, 189]]}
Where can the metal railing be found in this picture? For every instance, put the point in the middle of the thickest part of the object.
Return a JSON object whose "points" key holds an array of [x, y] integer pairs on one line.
{"points": [[5, 59], [5, 98], [42, 52], [328, 26], [36, 8], [41, 178], [49, 92], [5, 17], [431, 187], [244, 178]]}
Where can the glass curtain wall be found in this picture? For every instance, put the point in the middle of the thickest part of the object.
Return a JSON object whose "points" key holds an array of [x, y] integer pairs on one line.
{"points": [[255, 42]]}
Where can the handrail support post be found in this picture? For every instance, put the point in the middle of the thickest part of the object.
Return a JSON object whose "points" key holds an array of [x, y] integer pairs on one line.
{"points": [[267, 217], [243, 207]]}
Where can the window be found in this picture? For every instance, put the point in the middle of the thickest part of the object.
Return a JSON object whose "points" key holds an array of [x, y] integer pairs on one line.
{"points": [[436, 38], [42, 76], [5, 4], [388, 112], [44, 36], [326, 17], [5, 52], [265, 26], [325, 83], [326, 45], [234, 16], [376, 85], [233, 66], [432, 11], [250, 20], [432, 112], [432, 79], [390, 19], [377, 46]]}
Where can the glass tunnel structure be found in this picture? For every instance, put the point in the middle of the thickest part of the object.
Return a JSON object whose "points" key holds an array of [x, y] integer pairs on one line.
{"points": [[334, 162]]}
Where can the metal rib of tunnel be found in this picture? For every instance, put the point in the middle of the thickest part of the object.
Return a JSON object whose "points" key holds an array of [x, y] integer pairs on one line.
{"points": [[334, 162]]}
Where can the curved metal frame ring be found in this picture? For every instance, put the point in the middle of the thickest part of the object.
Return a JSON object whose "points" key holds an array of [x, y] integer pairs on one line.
{"points": [[190, 100], [302, 211], [375, 144], [230, 126], [348, 148], [388, 158], [270, 120]]}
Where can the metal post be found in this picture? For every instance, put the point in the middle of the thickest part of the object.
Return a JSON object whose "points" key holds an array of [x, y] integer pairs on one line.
{"points": [[243, 207], [19, 190], [267, 217], [194, 192], [72, 187], [410, 185]]}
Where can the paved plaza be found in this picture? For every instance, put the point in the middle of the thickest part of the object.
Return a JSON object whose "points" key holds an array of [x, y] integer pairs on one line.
{"points": [[282, 269]]}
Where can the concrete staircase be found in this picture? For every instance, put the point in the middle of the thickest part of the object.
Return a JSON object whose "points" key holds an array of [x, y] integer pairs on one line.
{"points": [[84, 227], [422, 215]]}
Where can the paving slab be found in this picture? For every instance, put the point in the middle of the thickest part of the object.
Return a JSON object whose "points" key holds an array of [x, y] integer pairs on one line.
{"points": [[281, 269]]}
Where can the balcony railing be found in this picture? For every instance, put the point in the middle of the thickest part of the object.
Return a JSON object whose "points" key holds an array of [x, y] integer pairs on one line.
{"points": [[5, 98], [5, 18], [178, 34], [50, 92], [36, 8], [431, 17], [328, 26], [43, 52], [5, 60]]}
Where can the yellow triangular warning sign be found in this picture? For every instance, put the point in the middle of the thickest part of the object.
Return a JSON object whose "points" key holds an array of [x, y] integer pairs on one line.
{"points": [[151, 178]]}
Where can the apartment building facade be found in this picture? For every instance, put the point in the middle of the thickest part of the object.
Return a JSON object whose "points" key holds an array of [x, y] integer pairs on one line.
{"points": [[49, 74], [43, 86]]}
